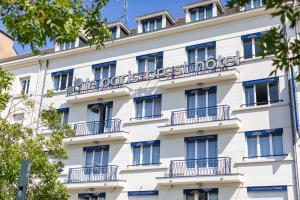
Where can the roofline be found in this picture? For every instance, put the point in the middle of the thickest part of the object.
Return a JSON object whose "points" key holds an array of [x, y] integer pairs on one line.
{"points": [[155, 14], [7, 35], [201, 3], [143, 36]]}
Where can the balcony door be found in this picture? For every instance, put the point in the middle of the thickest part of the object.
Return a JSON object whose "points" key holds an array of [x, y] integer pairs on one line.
{"points": [[100, 116], [202, 155], [96, 161], [202, 102]]}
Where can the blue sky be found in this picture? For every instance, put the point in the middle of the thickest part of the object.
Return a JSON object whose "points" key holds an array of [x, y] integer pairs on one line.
{"points": [[113, 12]]}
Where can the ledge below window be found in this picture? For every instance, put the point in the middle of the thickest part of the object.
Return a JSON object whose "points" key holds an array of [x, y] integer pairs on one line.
{"points": [[260, 107], [281, 158], [144, 167], [141, 121]]}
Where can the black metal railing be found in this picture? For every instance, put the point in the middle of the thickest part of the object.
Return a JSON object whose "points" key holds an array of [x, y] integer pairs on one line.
{"points": [[262, 103], [199, 115], [93, 174], [200, 167], [97, 127]]}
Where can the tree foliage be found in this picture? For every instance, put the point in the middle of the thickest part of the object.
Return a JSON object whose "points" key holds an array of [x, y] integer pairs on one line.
{"points": [[34, 22], [23, 143], [282, 41]]}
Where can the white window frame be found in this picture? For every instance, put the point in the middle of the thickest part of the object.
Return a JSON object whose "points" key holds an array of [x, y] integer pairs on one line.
{"points": [[198, 15], [67, 45], [258, 146], [146, 63], [205, 54], [196, 100], [144, 109], [93, 162], [252, 5], [59, 82], [142, 156], [27, 85], [148, 25], [253, 49], [268, 94], [196, 148], [101, 71]]}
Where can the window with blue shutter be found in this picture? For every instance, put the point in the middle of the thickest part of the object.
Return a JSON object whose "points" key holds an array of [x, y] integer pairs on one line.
{"points": [[62, 79], [150, 62], [146, 152], [148, 107]]}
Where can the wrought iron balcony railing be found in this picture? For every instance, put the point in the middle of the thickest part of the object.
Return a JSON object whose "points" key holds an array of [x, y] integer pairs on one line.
{"points": [[93, 174], [97, 127], [200, 167], [199, 115]]}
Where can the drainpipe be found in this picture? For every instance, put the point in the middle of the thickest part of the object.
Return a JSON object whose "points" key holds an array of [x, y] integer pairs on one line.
{"points": [[42, 93]]}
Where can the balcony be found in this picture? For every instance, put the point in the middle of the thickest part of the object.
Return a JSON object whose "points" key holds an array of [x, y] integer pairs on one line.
{"points": [[107, 130], [90, 90], [207, 170], [195, 76], [102, 177], [208, 118]]}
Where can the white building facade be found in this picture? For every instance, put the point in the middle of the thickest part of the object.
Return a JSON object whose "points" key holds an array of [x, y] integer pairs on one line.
{"points": [[179, 111]]}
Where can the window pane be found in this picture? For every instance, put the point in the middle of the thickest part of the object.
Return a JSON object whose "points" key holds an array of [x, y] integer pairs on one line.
{"points": [[201, 111], [148, 108], [141, 66], [201, 54], [273, 89], [194, 16], [208, 12], [105, 72], [247, 44], [152, 25], [211, 52], [159, 62], [105, 157], [112, 71], [89, 159], [248, 5], [213, 196], [145, 26], [150, 64], [97, 74], [158, 24], [66, 117], [191, 56], [189, 197], [97, 157], [277, 144], [201, 153], [157, 107], [212, 103], [212, 152], [63, 82], [264, 142], [249, 93], [155, 153], [256, 3], [201, 14], [139, 109], [190, 154], [191, 101], [252, 146], [136, 155], [146, 154], [56, 82], [257, 47], [70, 81], [261, 94], [94, 114]]}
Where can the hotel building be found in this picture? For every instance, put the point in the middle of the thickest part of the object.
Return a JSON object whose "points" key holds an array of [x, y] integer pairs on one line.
{"points": [[176, 109]]}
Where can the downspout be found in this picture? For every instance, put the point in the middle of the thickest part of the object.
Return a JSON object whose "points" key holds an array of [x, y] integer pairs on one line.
{"points": [[42, 93]]}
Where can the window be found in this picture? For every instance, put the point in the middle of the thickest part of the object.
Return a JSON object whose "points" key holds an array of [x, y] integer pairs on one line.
{"points": [[199, 149], [114, 32], [104, 70], [96, 156], [100, 116], [253, 4], [251, 45], [150, 62], [148, 107], [143, 195], [91, 196], [264, 143], [152, 24], [19, 118], [66, 46], [146, 153], [64, 115], [201, 13], [200, 194], [25, 85], [62, 80], [201, 102], [261, 92], [197, 54]]}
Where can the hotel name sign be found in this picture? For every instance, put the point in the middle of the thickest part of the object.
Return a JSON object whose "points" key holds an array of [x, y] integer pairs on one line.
{"points": [[201, 67]]}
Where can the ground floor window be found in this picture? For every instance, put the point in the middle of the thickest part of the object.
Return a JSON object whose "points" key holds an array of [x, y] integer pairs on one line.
{"points": [[143, 195], [201, 194], [91, 196], [267, 193]]}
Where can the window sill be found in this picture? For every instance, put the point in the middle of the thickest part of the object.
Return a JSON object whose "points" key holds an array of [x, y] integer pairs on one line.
{"points": [[260, 107], [59, 92], [144, 168], [264, 160], [141, 121], [255, 59]]}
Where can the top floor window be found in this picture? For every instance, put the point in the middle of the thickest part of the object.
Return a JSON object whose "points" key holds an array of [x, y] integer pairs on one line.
{"points": [[104, 70], [66, 46], [261, 92], [253, 4], [152, 24], [201, 13], [114, 32], [251, 44], [150, 62], [62, 79], [25, 82]]}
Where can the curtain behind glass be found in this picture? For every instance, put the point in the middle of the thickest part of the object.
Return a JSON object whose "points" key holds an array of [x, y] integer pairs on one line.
{"points": [[277, 144], [201, 107], [249, 93], [146, 154], [212, 103], [136, 155], [252, 146], [247, 44], [191, 101], [190, 154], [157, 107], [155, 153], [150, 64], [212, 152], [191, 60], [201, 153], [273, 90], [139, 109], [141, 66], [148, 108], [264, 145]]}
